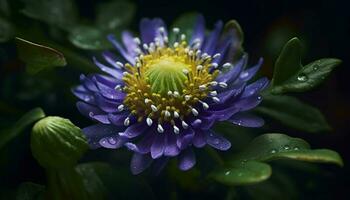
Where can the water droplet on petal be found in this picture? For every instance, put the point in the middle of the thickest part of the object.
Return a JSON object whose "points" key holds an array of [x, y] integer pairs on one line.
{"points": [[111, 140], [302, 78], [244, 75], [216, 141]]}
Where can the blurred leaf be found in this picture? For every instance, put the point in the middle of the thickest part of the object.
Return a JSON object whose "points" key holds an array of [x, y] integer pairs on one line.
{"points": [[308, 76], [242, 173], [5, 9], [234, 28], [273, 146], [30, 191], [6, 30], [288, 62], [26, 120], [89, 38], [292, 112], [115, 14], [38, 57], [119, 183], [61, 13]]}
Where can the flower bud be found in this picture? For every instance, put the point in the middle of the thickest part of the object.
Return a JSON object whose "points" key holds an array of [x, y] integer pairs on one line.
{"points": [[57, 143]]}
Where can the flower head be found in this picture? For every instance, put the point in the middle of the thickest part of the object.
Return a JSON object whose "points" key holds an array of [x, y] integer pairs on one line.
{"points": [[163, 96]]}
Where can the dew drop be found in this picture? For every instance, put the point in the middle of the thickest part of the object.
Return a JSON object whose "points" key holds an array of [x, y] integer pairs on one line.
{"points": [[315, 67], [244, 75], [273, 151], [216, 141], [227, 173], [240, 174], [286, 147], [302, 77], [296, 148], [111, 140]]}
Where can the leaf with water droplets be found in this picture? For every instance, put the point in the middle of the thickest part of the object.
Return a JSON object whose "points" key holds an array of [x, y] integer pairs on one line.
{"points": [[308, 76], [292, 112], [274, 146], [288, 62], [89, 38], [245, 173], [38, 57]]}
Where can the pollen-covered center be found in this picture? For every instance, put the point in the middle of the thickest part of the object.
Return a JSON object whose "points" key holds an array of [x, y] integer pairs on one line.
{"points": [[168, 82], [166, 74]]}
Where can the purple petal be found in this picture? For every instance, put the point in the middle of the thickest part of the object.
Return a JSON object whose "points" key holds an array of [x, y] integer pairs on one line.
{"points": [[248, 103], [255, 88], [134, 130], [212, 40], [217, 141], [95, 132], [83, 94], [139, 163], [144, 146], [247, 120], [199, 30], [234, 71], [112, 142], [88, 83], [185, 139], [149, 29], [118, 119], [111, 59], [249, 73], [199, 140], [88, 110], [129, 43], [105, 104], [158, 145], [171, 148], [187, 160], [121, 50], [113, 72], [159, 165]]}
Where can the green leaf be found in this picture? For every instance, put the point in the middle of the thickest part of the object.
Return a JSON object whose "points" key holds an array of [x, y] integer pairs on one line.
{"points": [[308, 76], [6, 30], [234, 26], [273, 146], [30, 191], [291, 76], [26, 120], [38, 57], [118, 183], [115, 15], [292, 112], [61, 13], [89, 38], [288, 62], [242, 173]]}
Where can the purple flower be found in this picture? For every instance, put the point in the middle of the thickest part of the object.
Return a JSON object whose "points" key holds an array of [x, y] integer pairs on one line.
{"points": [[163, 96]]}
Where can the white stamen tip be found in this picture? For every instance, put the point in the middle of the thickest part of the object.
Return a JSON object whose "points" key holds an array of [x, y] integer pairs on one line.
{"points": [[205, 105], [215, 65], [184, 125], [160, 128], [147, 101], [176, 130], [213, 83], [185, 71], [227, 65], [217, 55], [119, 64], [161, 29], [145, 46], [176, 94], [126, 121], [149, 121], [170, 93], [213, 93], [223, 84], [216, 100], [199, 67], [176, 30], [154, 108], [183, 36], [137, 40], [202, 87], [176, 114], [176, 44], [125, 73], [118, 87], [194, 112], [187, 97], [121, 107], [167, 113]]}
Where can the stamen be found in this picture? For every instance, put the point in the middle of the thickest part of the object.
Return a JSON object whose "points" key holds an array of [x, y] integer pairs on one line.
{"points": [[119, 64], [167, 113], [149, 121], [194, 112], [223, 84], [183, 37], [176, 30], [118, 87], [160, 129], [213, 83], [205, 105], [216, 55], [127, 121], [202, 87], [215, 65], [176, 129], [184, 124], [121, 107], [137, 40], [227, 65], [216, 99], [187, 97], [176, 114], [154, 108], [213, 93]]}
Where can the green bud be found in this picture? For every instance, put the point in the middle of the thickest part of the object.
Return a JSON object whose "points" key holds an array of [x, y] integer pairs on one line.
{"points": [[57, 143]]}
